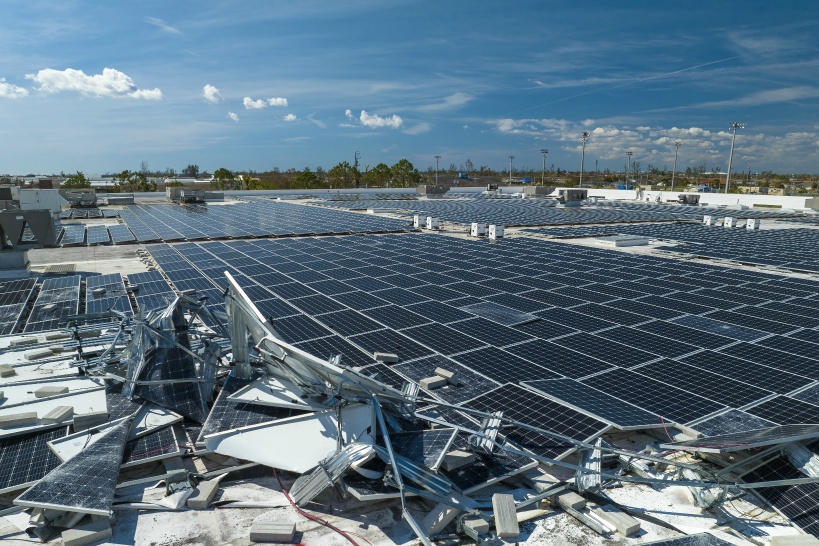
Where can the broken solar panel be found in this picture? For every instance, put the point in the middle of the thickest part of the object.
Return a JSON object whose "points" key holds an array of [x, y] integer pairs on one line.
{"points": [[732, 420], [499, 313], [228, 414], [538, 411], [25, 459], [426, 447], [591, 401], [156, 445], [487, 469], [470, 384], [86, 482], [700, 539], [800, 503], [749, 439]]}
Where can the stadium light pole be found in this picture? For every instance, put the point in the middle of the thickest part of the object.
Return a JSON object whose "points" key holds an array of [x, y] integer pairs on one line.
{"points": [[584, 138], [734, 125], [629, 154], [674, 172], [437, 157], [545, 152], [511, 157]]}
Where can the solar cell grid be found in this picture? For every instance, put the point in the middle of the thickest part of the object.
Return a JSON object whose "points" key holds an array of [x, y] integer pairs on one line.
{"points": [[754, 374], [655, 396], [533, 409], [594, 402]]}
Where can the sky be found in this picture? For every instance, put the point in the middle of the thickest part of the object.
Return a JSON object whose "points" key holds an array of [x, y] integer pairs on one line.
{"points": [[262, 84]]}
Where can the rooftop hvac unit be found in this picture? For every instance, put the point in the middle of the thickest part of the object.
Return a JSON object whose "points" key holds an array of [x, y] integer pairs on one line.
{"points": [[752, 223], [708, 220], [729, 221], [478, 229], [495, 231], [433, 223]]}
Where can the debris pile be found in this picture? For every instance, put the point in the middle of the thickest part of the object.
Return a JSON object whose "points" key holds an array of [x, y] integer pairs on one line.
{"points": [[163, 389]]}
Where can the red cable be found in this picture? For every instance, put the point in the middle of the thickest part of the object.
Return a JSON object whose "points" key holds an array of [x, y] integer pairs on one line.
{"points": [[317, 519]]}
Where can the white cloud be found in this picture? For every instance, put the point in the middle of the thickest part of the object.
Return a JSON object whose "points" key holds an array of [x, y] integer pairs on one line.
{"points": [[290, 117], [111, 83], [419, 129], [232, 116], [251, 104], [211, 94], [162, 25], [377, 121], [256, 104], [452, 101], [9, 91]]}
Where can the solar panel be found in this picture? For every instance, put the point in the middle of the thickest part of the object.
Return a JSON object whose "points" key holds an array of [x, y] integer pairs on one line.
{"points": [[533, 409], [784, 410], [655, 396], [442, 339], [558, 359], [800, 503], [26, 458], [590, 401], [85, 483], [470, 384]]}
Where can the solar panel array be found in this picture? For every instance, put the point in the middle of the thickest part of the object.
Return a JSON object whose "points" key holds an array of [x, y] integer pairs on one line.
{"points": [[538, 212], [621, 324], [106, 292], [13, 298], [252, 217], [795, 249], [58, 298]]}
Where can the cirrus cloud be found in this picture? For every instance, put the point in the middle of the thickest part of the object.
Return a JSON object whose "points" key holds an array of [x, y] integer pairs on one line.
{"points": [[111, 83], [9, 91]]}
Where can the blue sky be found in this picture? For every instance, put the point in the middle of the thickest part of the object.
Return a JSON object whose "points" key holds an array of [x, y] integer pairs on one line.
{"points": [[98, 87]]}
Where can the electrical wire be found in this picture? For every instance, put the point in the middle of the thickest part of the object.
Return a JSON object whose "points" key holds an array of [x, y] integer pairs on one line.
{"points": [[317, 519]]}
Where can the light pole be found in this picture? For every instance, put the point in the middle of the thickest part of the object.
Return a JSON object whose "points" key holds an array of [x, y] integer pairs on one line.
{"points": [[545, 152], [437, 157], [629, 154], [734, 125], [584, 138], [674, 172], [511, 157]]}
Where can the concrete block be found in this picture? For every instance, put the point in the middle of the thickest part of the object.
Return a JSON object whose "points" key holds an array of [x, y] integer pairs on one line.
{"points": [[18, 419], [450, 376], [478, 525], [506, 517], [272, 532], [431, 383], [204, 493], [386, 357], [571, 500], [38, 353], [23, 341], [795, 540], [87, 534], [85, 421], [440, 516], [625, 524], [457, 459], [58, 415], [50, 390], [6, 370]]}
